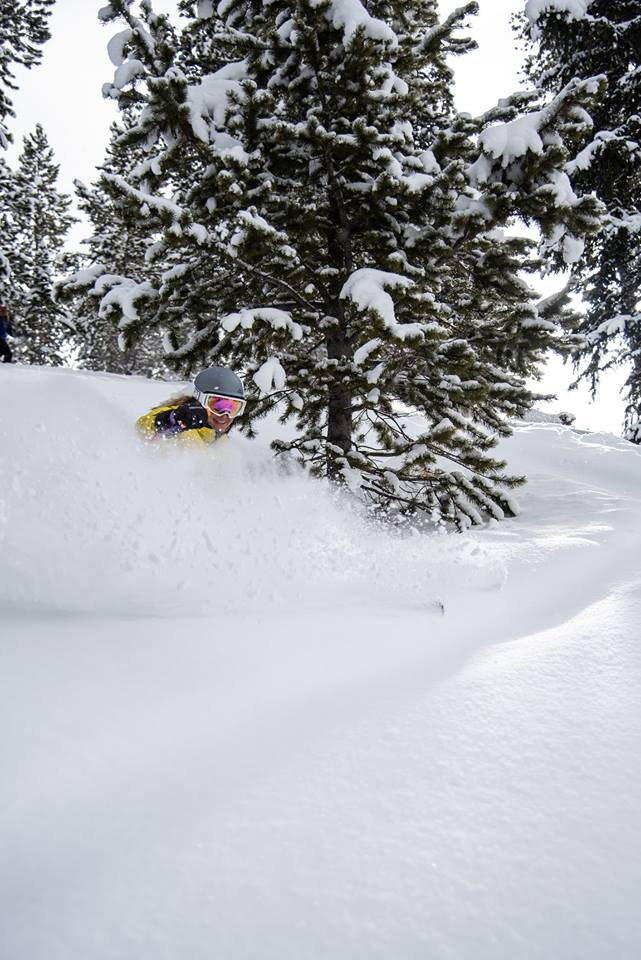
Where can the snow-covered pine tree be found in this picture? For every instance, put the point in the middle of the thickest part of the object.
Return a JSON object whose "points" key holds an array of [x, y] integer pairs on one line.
{"points": [[7, 228], [352, 221], [116, 248], [41, 223], [174, 295], [23, 29], [584, 39], [184, 305]]}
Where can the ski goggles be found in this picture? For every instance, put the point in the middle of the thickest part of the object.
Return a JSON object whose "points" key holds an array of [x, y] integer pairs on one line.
{"points": [[221, 406]]}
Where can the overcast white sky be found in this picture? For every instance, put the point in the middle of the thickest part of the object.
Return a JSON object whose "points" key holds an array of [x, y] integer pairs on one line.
{"points": [[64, 94]]}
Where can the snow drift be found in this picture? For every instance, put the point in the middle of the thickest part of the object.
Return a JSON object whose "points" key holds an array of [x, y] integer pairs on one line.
{"points": [[239, 721]]}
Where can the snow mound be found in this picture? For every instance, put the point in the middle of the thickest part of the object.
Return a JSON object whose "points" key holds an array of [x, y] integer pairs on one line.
{"points": [[237, 724], [96, 520]]}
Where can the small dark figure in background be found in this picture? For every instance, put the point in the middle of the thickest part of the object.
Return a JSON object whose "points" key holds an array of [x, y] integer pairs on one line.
{"points": [[5, 331]]}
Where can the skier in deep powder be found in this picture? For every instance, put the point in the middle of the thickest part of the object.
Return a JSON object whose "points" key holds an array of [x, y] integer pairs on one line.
{"points": [[205, 416]]}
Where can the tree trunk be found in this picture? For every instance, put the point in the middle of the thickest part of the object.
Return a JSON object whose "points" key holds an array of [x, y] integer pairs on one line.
{"points": [[339, 412], [628, 272]]}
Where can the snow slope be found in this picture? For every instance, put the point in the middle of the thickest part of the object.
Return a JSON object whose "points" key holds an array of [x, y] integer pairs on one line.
{"points": [[235, 721]]}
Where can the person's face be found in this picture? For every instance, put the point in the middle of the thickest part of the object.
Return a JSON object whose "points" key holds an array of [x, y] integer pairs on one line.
{"points": [[220, 422], [221, 411]]}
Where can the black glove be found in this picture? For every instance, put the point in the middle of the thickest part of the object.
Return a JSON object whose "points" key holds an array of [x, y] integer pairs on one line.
{"points": [[188, 416], [191, 415]]}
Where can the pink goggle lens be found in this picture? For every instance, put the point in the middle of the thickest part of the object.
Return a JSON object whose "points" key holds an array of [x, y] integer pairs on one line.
{"points": [[224, 406]]}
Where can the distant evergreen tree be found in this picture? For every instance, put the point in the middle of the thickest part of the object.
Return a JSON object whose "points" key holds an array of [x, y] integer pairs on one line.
{"points": [[342, 228], [7, 229], [115, 249], [606, 40], [23, 29], [41, 220]]}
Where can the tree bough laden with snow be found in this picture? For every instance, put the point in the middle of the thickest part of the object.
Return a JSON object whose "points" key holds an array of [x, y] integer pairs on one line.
{"points": [[583, 38], [348, 224]]}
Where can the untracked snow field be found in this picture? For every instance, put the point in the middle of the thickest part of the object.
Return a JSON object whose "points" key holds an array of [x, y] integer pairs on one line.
{"points": [[238, 722]]}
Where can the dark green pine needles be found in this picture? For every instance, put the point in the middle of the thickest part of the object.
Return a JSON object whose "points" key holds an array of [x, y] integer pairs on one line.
{"points": [[605, 41], [328, 224]]}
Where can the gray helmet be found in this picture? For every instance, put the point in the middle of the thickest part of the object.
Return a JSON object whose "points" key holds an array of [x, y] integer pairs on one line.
{"points": [[220, 380]]}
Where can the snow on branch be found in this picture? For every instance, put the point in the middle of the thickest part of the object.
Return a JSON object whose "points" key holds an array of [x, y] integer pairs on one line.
{"points": [[159, 204], [509, 141], [366, 289], [127, 72], [82, 279], [106, 13], [116, 46], [361, 355], [443, 31], [549, 306], [583, 160], [571, 92], [200, 337], [552, 311], [277, 319], [350, 16], [122, 8], [124, 294], [251, 223], [629, 221], [270, 376], [576, 9], [508, 108], [620, 324], [209, 100], [424, 168]]}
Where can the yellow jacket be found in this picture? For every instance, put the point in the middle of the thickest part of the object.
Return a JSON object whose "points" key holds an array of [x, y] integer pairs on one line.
{"points": [[146, 427]]}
